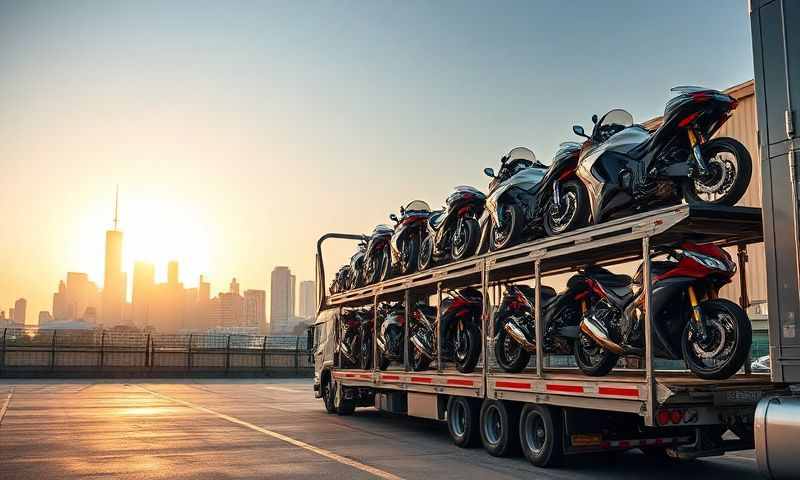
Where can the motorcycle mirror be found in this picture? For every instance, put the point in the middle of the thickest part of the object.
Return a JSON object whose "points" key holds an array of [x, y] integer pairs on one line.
{"points": [[594, 118], [504, 160], [402, 210], [393, 217], [489, 172], [578, 130]]}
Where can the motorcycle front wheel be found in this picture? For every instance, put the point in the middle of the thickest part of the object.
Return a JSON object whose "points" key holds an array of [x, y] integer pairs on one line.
{"points": [[729, 170], [467, 348], [510, 233], [386, 264], [592, 359], [420, 361], [465, 239], [425, 259], [409, 255], [509, 354], [365, 358], [724, 351], [574, 210]]}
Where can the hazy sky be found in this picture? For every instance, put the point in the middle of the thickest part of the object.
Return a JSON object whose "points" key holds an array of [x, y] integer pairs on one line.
{"points": [[241, 131]]}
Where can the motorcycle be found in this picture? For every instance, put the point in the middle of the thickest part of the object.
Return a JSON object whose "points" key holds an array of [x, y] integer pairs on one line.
{"points": [[378, 256], [627, 168], [515, 328], [408, 232], [459, 331], [390, 338], [453, 232], [350, 337], [528, 199], [340, 280], [354, 277], [711, 334]]}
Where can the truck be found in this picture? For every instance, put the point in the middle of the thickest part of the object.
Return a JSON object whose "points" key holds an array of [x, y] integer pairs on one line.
{"points": [[551, 411]]}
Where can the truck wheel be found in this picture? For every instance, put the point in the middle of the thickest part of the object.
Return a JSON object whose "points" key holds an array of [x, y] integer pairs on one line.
{"points": [[541, 435], [462, 421], [343, 406], [499, 422], [328, 391]]}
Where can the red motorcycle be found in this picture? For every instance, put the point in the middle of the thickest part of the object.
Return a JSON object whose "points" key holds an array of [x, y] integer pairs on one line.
{"points": [[711, 334]]}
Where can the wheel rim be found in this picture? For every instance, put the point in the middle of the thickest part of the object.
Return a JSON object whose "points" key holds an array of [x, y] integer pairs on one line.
{"points": [[460, 239], [458, 420], [560, 219], [462, 345], [590, 352], [426, 250], [501, 236], [405, 256], [719, 345], [719, 181], [535, 433], [493, 425], [511, 350]]}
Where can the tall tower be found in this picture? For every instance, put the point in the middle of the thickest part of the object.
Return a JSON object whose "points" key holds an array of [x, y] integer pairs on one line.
{"points": [[308, 299], [114, 279], [144, 285], [281, 307]]}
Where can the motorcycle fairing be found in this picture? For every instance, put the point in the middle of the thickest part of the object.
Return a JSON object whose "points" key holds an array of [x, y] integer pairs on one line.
{"points": [[525, 180], [461, 198]]}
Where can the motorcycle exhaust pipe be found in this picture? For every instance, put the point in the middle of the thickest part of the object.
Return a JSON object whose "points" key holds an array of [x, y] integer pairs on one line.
{"points": [[422, 347], [516, 333], [381, 344], [599, 333]]}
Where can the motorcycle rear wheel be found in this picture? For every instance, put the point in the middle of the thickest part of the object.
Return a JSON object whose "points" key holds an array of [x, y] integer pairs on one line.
{"points": [[742, 172], [725, 320], [594, 361], [469, 353], [365, 357], [419, 361], [509, 354]]}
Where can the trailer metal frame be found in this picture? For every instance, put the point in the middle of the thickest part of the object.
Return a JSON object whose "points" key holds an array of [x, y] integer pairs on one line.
{"points": [[637, 237]]}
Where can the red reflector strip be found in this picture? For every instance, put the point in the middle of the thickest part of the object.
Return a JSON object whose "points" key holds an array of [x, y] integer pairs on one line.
{"points": [[390, 377], [421, 380], [553, 387], [459, 382], [519, 385], [365, 376], [623, 392]]}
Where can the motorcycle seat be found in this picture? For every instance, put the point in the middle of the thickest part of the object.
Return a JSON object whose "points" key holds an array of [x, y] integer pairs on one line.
{"points": [[427, 310], [436, 219], [611, 280], [548, 293]]}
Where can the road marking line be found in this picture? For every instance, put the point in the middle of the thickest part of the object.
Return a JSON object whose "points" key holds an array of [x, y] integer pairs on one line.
{"points": [[297, 443], [5, 405]]}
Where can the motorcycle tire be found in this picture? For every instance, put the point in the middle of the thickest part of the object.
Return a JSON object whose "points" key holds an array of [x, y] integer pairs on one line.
{"points": [[594, 367], [386, 265], [472, 234], [744, 170], [513, 361], [425, 256], [720, 310], [419, 361], [580, 216], [517, 220], [410, 265], [472, 336], [383, 363], [365, 358]]}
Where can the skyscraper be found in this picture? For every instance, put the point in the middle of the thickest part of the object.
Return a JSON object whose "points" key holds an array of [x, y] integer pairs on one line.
{"points": [[281, 300], [144, 284], [114, 279], [255, 314], [74, 297], [20, 307], [308, 299]]}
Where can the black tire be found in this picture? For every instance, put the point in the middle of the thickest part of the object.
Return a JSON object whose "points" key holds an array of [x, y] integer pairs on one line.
{"points": [[328, 392], [411, 254], [513, 230], [499, 421], [541, 435], [419, 361], [577, 215], [342, 405], [722, 315], [472, 235], [465, 362], [365, 358], [372, 268], [462, 421], [595, 362], [383, 362], [509, 354], [386, 264], [743, 172], [425, 256]]}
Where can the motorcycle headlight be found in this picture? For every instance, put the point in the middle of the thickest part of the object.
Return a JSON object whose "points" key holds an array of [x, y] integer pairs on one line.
{"points": [[711, 262]]}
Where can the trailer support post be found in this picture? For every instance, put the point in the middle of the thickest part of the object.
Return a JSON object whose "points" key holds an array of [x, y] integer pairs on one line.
{"points": [[744, 297], [375, 336], [487, 326], [537, 319], [407, 315], [650, 414], [438, 332]]}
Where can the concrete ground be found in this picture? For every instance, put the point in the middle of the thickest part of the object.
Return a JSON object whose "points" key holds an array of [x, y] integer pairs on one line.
{"points": [[260, 428]]}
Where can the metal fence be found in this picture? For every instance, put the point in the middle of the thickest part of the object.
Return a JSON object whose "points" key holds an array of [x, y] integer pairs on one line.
{"points": [[35, 352]]}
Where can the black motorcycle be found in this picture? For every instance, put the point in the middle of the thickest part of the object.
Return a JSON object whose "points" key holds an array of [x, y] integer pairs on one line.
{"points": [[391, 319], [377, 260], [515, 329], [453, 232], [690, 322], [350, 335], [408, 233], [340, 281], [459, 330], [528, 199], [627, 168]]}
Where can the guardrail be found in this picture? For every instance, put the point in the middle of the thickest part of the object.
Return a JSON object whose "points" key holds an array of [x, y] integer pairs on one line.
{"points": [[38, 352]]}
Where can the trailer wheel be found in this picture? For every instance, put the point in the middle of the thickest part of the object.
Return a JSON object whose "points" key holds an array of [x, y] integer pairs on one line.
{"points": [[343, 405], [541, 435], [499, 422], [328, 392], [462, 421]]}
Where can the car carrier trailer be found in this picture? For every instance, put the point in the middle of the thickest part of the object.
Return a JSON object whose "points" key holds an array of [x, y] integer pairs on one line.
{"points": [[546, 410]]}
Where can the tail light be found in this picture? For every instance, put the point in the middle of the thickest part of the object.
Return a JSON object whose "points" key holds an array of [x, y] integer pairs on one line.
{"points": [[676, 416]]}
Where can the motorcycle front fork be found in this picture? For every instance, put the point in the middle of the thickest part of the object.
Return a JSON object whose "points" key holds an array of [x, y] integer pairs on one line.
{"points": [[697, 314], [702, 167]]}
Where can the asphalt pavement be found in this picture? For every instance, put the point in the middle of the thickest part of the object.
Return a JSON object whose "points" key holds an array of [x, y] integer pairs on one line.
{"points": [[261, 428]]}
